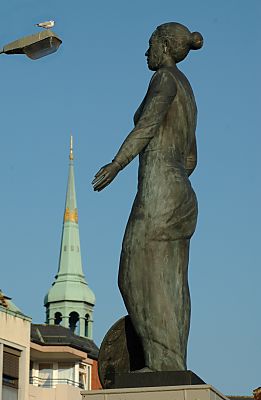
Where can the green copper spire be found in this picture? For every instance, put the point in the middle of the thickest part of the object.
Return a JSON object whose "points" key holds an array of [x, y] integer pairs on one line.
{"points": [[70, 301]]}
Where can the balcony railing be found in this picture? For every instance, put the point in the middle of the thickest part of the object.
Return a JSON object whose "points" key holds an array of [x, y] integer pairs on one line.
{"points": [[51, 383]]}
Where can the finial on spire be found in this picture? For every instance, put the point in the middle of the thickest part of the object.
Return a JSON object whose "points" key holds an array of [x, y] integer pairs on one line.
{"points": [[71, 149]]}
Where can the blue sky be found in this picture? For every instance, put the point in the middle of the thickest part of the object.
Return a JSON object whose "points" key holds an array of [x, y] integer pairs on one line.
{"points": [[92, 87]]}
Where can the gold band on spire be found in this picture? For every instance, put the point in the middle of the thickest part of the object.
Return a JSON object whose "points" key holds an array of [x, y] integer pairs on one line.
{"points": [[71, 215], [71, 149]]}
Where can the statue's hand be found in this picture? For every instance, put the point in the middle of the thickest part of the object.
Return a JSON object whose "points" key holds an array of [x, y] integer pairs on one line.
{"points": [[105, 176]]}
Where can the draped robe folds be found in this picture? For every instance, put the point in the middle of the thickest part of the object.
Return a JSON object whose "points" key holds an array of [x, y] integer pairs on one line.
{"points": [[153, 273]]}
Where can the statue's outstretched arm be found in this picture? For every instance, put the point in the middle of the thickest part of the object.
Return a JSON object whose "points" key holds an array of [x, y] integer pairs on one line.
{"points": [[161, 93]]}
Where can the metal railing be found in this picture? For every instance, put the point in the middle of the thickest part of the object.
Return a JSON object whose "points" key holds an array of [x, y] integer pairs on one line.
{"points": [[51, 383]]}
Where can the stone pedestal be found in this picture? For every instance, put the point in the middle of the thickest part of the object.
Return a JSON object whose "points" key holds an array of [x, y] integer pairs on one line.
{"points": [[187, 392], [159, 378]]}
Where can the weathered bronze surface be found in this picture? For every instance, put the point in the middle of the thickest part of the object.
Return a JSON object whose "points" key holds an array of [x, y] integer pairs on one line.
{"points": [[153, 273], [120, 351]]}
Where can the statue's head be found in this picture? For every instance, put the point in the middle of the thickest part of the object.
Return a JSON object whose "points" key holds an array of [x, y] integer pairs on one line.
{"points": [[171, 40]]}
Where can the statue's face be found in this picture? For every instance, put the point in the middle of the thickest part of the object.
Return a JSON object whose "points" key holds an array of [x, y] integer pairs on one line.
{"points": [[155, 52]]}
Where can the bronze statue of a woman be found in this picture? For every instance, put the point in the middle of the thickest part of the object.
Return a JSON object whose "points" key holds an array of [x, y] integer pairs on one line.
{"points": [[153, 273]]}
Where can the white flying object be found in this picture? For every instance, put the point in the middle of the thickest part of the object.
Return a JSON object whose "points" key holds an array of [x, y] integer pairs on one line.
{"points": [[46, 24]]}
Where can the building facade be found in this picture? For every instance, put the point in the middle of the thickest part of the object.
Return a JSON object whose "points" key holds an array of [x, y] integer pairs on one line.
{"points": [[14, 351], [61, 363]]}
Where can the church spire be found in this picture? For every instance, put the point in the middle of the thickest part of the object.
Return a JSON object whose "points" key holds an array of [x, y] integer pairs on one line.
{"points": [[71, 149], [70, 301]]}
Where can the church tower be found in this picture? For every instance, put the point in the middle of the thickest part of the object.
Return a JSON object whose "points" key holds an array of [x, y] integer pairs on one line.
{"points": [[69, 302]]}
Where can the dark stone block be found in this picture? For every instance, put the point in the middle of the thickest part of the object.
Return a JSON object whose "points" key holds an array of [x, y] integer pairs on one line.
{"points": [[151, 379]]}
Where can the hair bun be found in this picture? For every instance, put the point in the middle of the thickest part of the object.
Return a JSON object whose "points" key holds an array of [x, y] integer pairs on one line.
{"points": [[196, 40]]}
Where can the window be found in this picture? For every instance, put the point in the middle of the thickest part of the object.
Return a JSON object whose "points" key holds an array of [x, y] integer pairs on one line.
{"points": [[10, 377], [33, 377], [86, 330], [31, 369], [45, 374], [58, 318], [66, 373], [73, 322], [85, 371]]}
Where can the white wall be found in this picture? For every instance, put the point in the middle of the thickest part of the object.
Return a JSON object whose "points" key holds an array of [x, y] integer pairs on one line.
{"points": [[61, 392]]}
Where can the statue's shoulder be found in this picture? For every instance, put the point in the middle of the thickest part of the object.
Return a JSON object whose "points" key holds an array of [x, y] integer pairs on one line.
{"points": [[164, 71], [179, 77], [163, 77]]}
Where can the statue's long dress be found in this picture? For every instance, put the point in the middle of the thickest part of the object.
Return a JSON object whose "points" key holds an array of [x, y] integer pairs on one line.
{"points": [[153, 274]]}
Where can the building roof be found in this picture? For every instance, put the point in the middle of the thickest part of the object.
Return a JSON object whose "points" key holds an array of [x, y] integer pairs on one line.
{"points": [[6, 305], [47, 335]]}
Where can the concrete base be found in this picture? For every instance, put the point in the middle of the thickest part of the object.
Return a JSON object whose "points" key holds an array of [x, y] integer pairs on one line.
{"points": [[191, 392]]}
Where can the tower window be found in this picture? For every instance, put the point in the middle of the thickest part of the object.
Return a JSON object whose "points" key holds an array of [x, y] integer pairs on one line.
{"points": [[58, 318], [87, 321], [73, 321]]}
